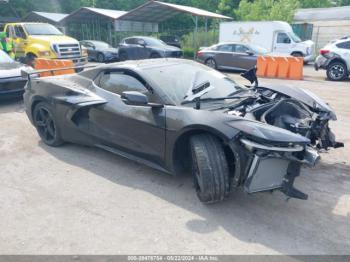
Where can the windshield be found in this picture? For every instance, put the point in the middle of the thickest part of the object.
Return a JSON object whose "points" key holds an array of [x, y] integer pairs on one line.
{"points": [[258, 49], [42, 29], [154, 42], [4, 58], [294, 37], [101, 45], [179, 89]]}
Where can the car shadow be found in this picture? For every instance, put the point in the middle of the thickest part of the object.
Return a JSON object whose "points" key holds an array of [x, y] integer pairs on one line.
{"points": [[294, 227]]}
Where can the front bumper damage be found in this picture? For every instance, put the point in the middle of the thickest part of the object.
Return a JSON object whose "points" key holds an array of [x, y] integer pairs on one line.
{"points": [[269, 168]]}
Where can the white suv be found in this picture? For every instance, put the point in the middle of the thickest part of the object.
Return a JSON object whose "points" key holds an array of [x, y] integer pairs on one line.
{"points": [[335, 58]]}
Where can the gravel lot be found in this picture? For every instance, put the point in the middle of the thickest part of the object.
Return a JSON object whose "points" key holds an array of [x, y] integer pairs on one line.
{"points": [[79, 200]]}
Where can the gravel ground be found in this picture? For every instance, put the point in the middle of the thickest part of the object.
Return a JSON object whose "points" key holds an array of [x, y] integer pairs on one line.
{"points": [[79, 200]]}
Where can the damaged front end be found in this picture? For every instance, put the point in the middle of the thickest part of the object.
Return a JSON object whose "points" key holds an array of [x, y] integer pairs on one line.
{"points": [[306, 117], [269, 158]]}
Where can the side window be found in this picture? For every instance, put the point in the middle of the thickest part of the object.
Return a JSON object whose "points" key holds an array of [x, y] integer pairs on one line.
{"points": [[224, 48], [344, 45], [283, 38], [19, 32], [118, 82], [10, 31], [131, 41], [241, 49]]}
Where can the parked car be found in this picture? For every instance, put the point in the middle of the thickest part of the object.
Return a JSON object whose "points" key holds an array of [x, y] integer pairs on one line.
{"points": [[141, 47], [100, 51], [335, 58], [177, 115], [230, 55], [171, 40], [275, 36], [11, 81]]}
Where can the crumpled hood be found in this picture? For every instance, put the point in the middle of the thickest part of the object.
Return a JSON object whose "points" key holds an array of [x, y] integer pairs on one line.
{"points": [[8, 70], [302, 95]]}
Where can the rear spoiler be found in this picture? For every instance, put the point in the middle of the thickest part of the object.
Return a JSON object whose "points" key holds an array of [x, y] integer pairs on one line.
{"points": [[36, 73]]}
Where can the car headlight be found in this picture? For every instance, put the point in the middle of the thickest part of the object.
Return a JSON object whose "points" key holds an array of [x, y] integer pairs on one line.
{"points": [[44, 53], [267, 132], [84, 52]]}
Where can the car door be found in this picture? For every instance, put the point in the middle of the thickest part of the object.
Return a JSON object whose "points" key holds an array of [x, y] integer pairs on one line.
{"points": [[243, 57], [223, 56], [20, 39], [344, 52], [132, 48], [137, 130], [90, 48], [282, 43], [143, 51]]}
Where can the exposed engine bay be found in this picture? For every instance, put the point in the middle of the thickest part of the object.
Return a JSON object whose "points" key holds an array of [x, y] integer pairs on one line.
{"points": [[279, 110]]}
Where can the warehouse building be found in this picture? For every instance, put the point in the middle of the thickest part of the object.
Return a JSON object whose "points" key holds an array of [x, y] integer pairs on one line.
{"points": [[323, 24]]}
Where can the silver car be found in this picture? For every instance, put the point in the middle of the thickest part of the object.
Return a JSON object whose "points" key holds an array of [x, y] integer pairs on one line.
{"points": [[335, 58], [231, 56]]}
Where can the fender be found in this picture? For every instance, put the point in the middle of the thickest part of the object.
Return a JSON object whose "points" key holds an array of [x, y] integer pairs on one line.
{"points": [[333, 58]]}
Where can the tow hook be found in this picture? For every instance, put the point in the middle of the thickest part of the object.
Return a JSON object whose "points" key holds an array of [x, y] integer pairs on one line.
{"points": [[287, 187]]}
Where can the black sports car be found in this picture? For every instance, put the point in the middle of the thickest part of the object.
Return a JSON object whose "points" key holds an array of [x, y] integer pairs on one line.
{"points": [[100, 51], [11, 81], [227, 134], [142, 47]]}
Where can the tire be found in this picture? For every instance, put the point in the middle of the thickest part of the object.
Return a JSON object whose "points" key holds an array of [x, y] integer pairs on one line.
{"points": [[123, 56], [30, 59], [210, 168], [297, 54], [46, 125], [211, 63], [155, 56], [337, 71], [100, 58]]}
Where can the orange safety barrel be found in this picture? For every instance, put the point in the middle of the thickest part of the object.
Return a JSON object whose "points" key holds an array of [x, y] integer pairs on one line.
{"points": [[47, 64], [261, 64], [296, 71], [272, 68], [283, 67]]}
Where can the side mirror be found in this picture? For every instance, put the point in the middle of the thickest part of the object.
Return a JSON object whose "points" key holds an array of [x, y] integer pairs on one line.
{"points": [[249, 52], [138, 99], [134, 98]]}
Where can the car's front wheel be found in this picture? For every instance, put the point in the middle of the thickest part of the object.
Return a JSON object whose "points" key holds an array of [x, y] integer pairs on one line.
{"points": [[211, 63], [100, 58], [210, 168], [46, 125], [337, 71]]}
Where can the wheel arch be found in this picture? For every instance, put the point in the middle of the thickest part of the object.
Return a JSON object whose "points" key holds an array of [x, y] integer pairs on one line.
{"points": [[338, 59], [297, 52], [180, 157]]}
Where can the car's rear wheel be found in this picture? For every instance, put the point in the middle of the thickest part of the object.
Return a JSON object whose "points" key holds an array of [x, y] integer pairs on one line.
{"points": [[337, 71], [46, 125], [123, 56], [210, 168], [211, 63], [100, 58]]}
